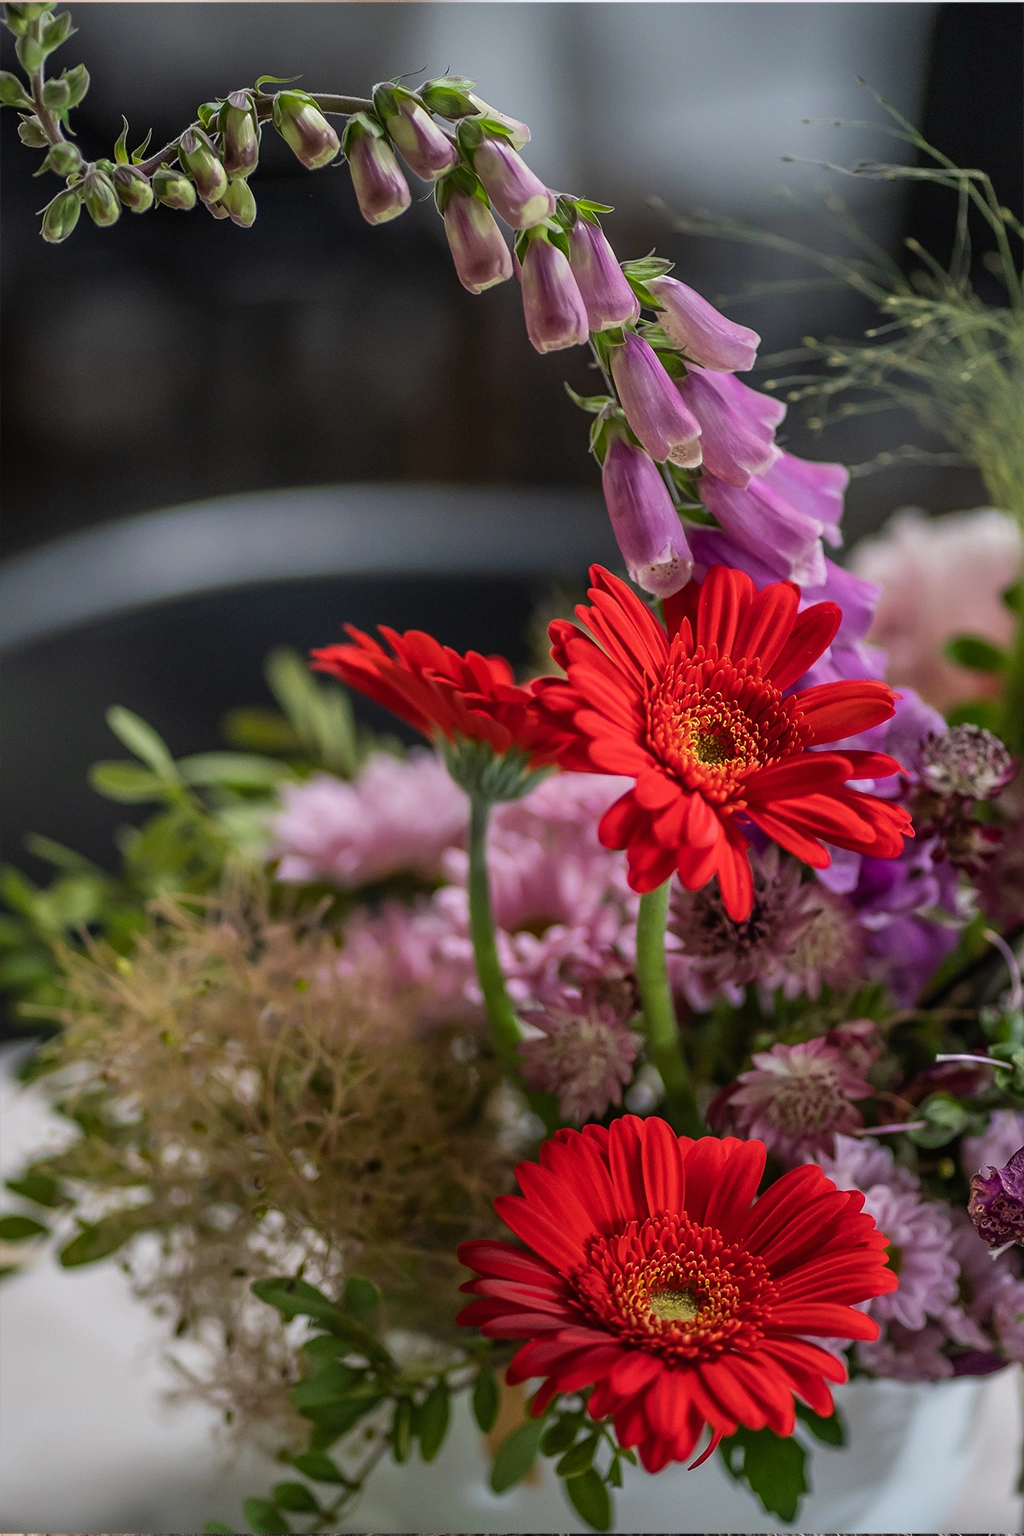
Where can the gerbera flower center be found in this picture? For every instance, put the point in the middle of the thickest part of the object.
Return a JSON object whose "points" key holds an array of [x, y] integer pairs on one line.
{"points": [[675, 1288], [712, 720]]}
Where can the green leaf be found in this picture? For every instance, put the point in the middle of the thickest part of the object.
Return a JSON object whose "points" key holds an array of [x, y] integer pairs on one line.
{"points": [[264, 1518], [983, 712], [774, 1469], [40, 1188], [579, 1458], [18, 1229], [1013, 596], [102, 1238], [830, 1431], [215, 1528], [336, 1419], [560, 1435], [974, 652], [362, 1298], [485, 1399], [591, 1500], [318, 1467], [432, 1418], [331, 1384], [326, 1346], [295, 1496], [237, 770], [516, 1455], [297, 1298], [401, 1429], [260, 730], [321, 715], [128, 782], [140, 738], [946, 1119]]}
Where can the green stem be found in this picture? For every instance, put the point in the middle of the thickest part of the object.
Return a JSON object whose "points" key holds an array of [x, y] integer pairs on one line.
{"points": [[505, 1029], [1011, 722], [659, 1014]]}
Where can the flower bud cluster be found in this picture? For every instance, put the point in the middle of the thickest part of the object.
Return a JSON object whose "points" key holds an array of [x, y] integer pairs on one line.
{"points": [[962, 766]]}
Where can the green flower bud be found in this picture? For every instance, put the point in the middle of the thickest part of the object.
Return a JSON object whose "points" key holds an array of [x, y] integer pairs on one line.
{"points": [[77, 81], [239, 202], [449, 96], [239, 134], [174, 188], [55, 94], [57, 31], [30, 51], [20, 17], [30, 132], [61, 216], [100, 198], [132, 188], [304, 129], [64, 159], [12, 92], [197, 156]]}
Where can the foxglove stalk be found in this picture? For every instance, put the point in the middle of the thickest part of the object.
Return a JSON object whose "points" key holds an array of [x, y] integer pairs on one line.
{"points": [[697, 328], [554, 310], [737, 425], [381, 190], [478, 247], [606, 293], [520, 197], [426, 149], [653, 406], [644, 520]]}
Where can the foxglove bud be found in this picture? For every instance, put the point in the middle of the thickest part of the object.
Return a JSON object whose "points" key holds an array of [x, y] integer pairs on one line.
{"points": [[174, 188], [554, 311], [608, 297], [100, 198], [30, 132], [64, 159], [197, 156], [645, 522], [78, 83], [17, 17], [478, 247], [520, 197], [239, 134], [381, 190], [304, 129], [132, 187], [238, 203], [996, 1205], [427, 151], [55, 94], [12, 92], [653, 406], [696, 328], [518, 133], [61, 216]]}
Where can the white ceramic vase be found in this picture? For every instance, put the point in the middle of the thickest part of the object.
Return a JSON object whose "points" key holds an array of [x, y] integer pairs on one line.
{"points": [[911, 1454]]}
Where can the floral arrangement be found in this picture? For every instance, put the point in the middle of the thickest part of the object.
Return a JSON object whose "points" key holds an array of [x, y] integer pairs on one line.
{"points": [[706, 938]]}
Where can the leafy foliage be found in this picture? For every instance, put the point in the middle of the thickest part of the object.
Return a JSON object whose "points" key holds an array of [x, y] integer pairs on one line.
{"points": [[775, 1468]]}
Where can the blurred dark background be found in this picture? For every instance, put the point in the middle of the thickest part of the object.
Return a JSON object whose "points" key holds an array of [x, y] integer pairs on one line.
{"points": [[174, 357]]}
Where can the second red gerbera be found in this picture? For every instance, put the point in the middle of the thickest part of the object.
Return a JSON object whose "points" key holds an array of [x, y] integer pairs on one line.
{"points": [[698, 715]]}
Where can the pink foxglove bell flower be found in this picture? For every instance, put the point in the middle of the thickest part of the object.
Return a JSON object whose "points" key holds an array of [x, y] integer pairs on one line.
{"points": [[644, 520], [478, 247], [554, 311], [381, 190], [765, 525], [606, 293], [653, 406], [996, 1205], [697, 329], [520, 197], [425, 147], [737, 425], [810, 487], [795, 1099]]}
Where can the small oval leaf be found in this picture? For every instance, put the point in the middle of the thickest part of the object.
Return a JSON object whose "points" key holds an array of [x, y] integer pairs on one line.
{"points": [[485, 1399], [516, 1455], [590, 1499]]}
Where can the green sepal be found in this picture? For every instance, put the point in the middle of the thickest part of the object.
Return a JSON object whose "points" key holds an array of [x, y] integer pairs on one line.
{"points": [[56, 32], [20, 1229], [773, 1467], [489, 775], [139, 153], [593, 404], [276, 80], [121, 147], [647, 267], [486, 1399], [78, 82], [208, 113], [591, 1500], [448, 96], [516, 1455], [459, 179], [360, 123]]}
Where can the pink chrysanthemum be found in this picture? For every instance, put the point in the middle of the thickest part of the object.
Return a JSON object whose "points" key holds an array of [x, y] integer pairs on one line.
{"points": [[398, 814], [795, 1099], [907, 1354], [584, 1052]]}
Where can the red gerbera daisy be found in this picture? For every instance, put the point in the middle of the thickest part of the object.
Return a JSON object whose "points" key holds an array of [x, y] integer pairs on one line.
{"points": [[471, 697], [654, 1280], [697, 715]]}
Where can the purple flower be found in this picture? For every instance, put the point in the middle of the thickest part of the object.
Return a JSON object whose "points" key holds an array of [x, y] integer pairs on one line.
{"points": [[653, 406], [644, 519], [795, 1099], [737, 425], [697, 328], [580, 1048], [1008, 1320], [426, 149], [860, 1163], [381, 190], [996, 1205], [981, 1284], [907, 1354], [397, 815], [477, 245], [520, 197], [760, 520], [813, 488], [606, 293], [554, 311]]}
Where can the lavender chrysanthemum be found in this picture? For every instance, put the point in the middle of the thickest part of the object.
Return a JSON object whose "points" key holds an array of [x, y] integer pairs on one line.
{"points": [[583, 1052], [795, 1099], [907, 1354]]}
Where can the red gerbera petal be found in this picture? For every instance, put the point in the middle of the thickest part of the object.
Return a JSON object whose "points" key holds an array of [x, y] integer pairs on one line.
{"points": [[696, 713], [684, 1302]]}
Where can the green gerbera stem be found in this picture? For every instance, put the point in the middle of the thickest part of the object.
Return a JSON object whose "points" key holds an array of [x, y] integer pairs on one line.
{"points": [[659, 1015], [504, 1022], [1011, 722]]}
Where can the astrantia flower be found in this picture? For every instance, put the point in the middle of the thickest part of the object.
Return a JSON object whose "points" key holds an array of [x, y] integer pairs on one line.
{"points": [[699, 718], [966, 760], [584, 1052], [438, 691], [795, 1098], [996, 1205], [652, 1278]]}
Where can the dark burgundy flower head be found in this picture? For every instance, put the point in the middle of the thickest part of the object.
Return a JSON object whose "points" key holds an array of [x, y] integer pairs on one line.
{"points": [[996, 1205]]}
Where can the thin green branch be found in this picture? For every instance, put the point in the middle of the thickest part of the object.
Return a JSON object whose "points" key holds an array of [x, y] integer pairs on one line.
{"points": [[659, 1015]]}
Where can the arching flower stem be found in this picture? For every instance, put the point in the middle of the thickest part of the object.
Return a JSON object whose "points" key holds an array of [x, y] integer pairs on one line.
{"points": [[659, 1015]]}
